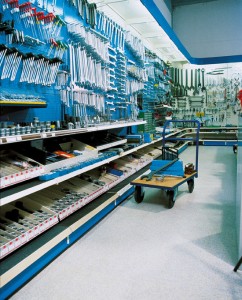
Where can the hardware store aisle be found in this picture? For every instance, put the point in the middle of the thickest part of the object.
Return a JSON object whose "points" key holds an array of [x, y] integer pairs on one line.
{"points": [[146, 251]]}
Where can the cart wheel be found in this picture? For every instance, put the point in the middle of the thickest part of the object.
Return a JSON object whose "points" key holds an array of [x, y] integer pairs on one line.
{"points": [[190, 184], [138, 194], [171, 199]]}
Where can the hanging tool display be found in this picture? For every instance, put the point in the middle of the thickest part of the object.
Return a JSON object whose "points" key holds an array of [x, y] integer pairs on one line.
{"points": [[86, 70], [95, 44], [209, 96], [157, 86], [136, 78], [136, 47], [182, 89], [87, 64], [95, 55], [35, 69], [111, 30]]}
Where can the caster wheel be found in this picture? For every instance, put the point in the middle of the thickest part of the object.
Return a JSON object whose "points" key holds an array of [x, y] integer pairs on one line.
{"points": [[190, 184], [138, 194], [171, 200]]}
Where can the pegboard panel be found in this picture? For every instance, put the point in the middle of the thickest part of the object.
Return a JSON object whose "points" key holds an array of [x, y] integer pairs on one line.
{"points": [[71, 61]]}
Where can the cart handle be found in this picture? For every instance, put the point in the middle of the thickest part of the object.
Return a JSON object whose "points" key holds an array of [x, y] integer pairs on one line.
{"points": [[196, 139]]}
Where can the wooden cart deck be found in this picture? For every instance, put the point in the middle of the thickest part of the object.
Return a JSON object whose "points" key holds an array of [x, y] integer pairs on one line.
{"points": [[169, 183]]}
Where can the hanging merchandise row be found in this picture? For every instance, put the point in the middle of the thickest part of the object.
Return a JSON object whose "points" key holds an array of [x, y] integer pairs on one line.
{"points": [[208, 95], [75, 64]]}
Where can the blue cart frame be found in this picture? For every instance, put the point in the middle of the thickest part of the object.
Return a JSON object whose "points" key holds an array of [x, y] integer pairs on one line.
{"points": [[170, 185]]}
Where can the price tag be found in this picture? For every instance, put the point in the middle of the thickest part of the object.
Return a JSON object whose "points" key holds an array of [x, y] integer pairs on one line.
{"points": [[19, 138], [36, 230], [11, 246], [55, 220], [84, 201], [41, 169], [111, 185], [17, 242], [105, 187], [80, 203], [37, 172], [12, 179], [44, 135], [24, 238], [47, 224], [68, 210], [17, 177], [2, 182], [11, 139], [32, 172], [27, 174], [63, 214], [41, 227], [21, 176], [73, 207], [51, 221], [30, 234], [3, 250]]}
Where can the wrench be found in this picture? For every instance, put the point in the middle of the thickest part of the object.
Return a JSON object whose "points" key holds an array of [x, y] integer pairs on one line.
{"points": [[196, 88], [192, 87], [199, 83]]}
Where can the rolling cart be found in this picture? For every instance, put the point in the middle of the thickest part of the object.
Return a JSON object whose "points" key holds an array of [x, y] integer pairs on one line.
{"points": [[159, 177]]}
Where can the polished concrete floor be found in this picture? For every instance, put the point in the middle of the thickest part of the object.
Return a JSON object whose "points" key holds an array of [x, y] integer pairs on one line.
{"points": [[149, 252]]}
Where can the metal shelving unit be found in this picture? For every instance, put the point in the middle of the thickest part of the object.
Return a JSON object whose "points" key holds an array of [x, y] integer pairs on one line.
{"points": [[44, 135], [58, 242]]}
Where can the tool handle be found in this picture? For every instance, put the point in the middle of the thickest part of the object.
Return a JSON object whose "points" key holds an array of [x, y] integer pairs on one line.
{"points": [[192, 79], [199, 83], [186, 79]]}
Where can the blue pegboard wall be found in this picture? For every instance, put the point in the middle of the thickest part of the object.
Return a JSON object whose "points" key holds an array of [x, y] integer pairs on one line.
{"points": [[73, 57]]}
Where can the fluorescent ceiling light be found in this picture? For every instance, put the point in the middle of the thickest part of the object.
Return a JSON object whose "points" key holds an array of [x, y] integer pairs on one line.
{"points": [[133, 16]]}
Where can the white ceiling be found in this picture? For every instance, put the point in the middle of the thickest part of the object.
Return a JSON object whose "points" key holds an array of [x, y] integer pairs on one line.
{"points": [[134, 17]]}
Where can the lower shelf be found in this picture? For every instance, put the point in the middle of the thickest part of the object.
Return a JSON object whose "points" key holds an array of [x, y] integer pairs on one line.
{"points": [[220, 142], [27, 261]]}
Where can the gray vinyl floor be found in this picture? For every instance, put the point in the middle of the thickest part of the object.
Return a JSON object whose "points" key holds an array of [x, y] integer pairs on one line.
{"points": [[146, 251]]}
